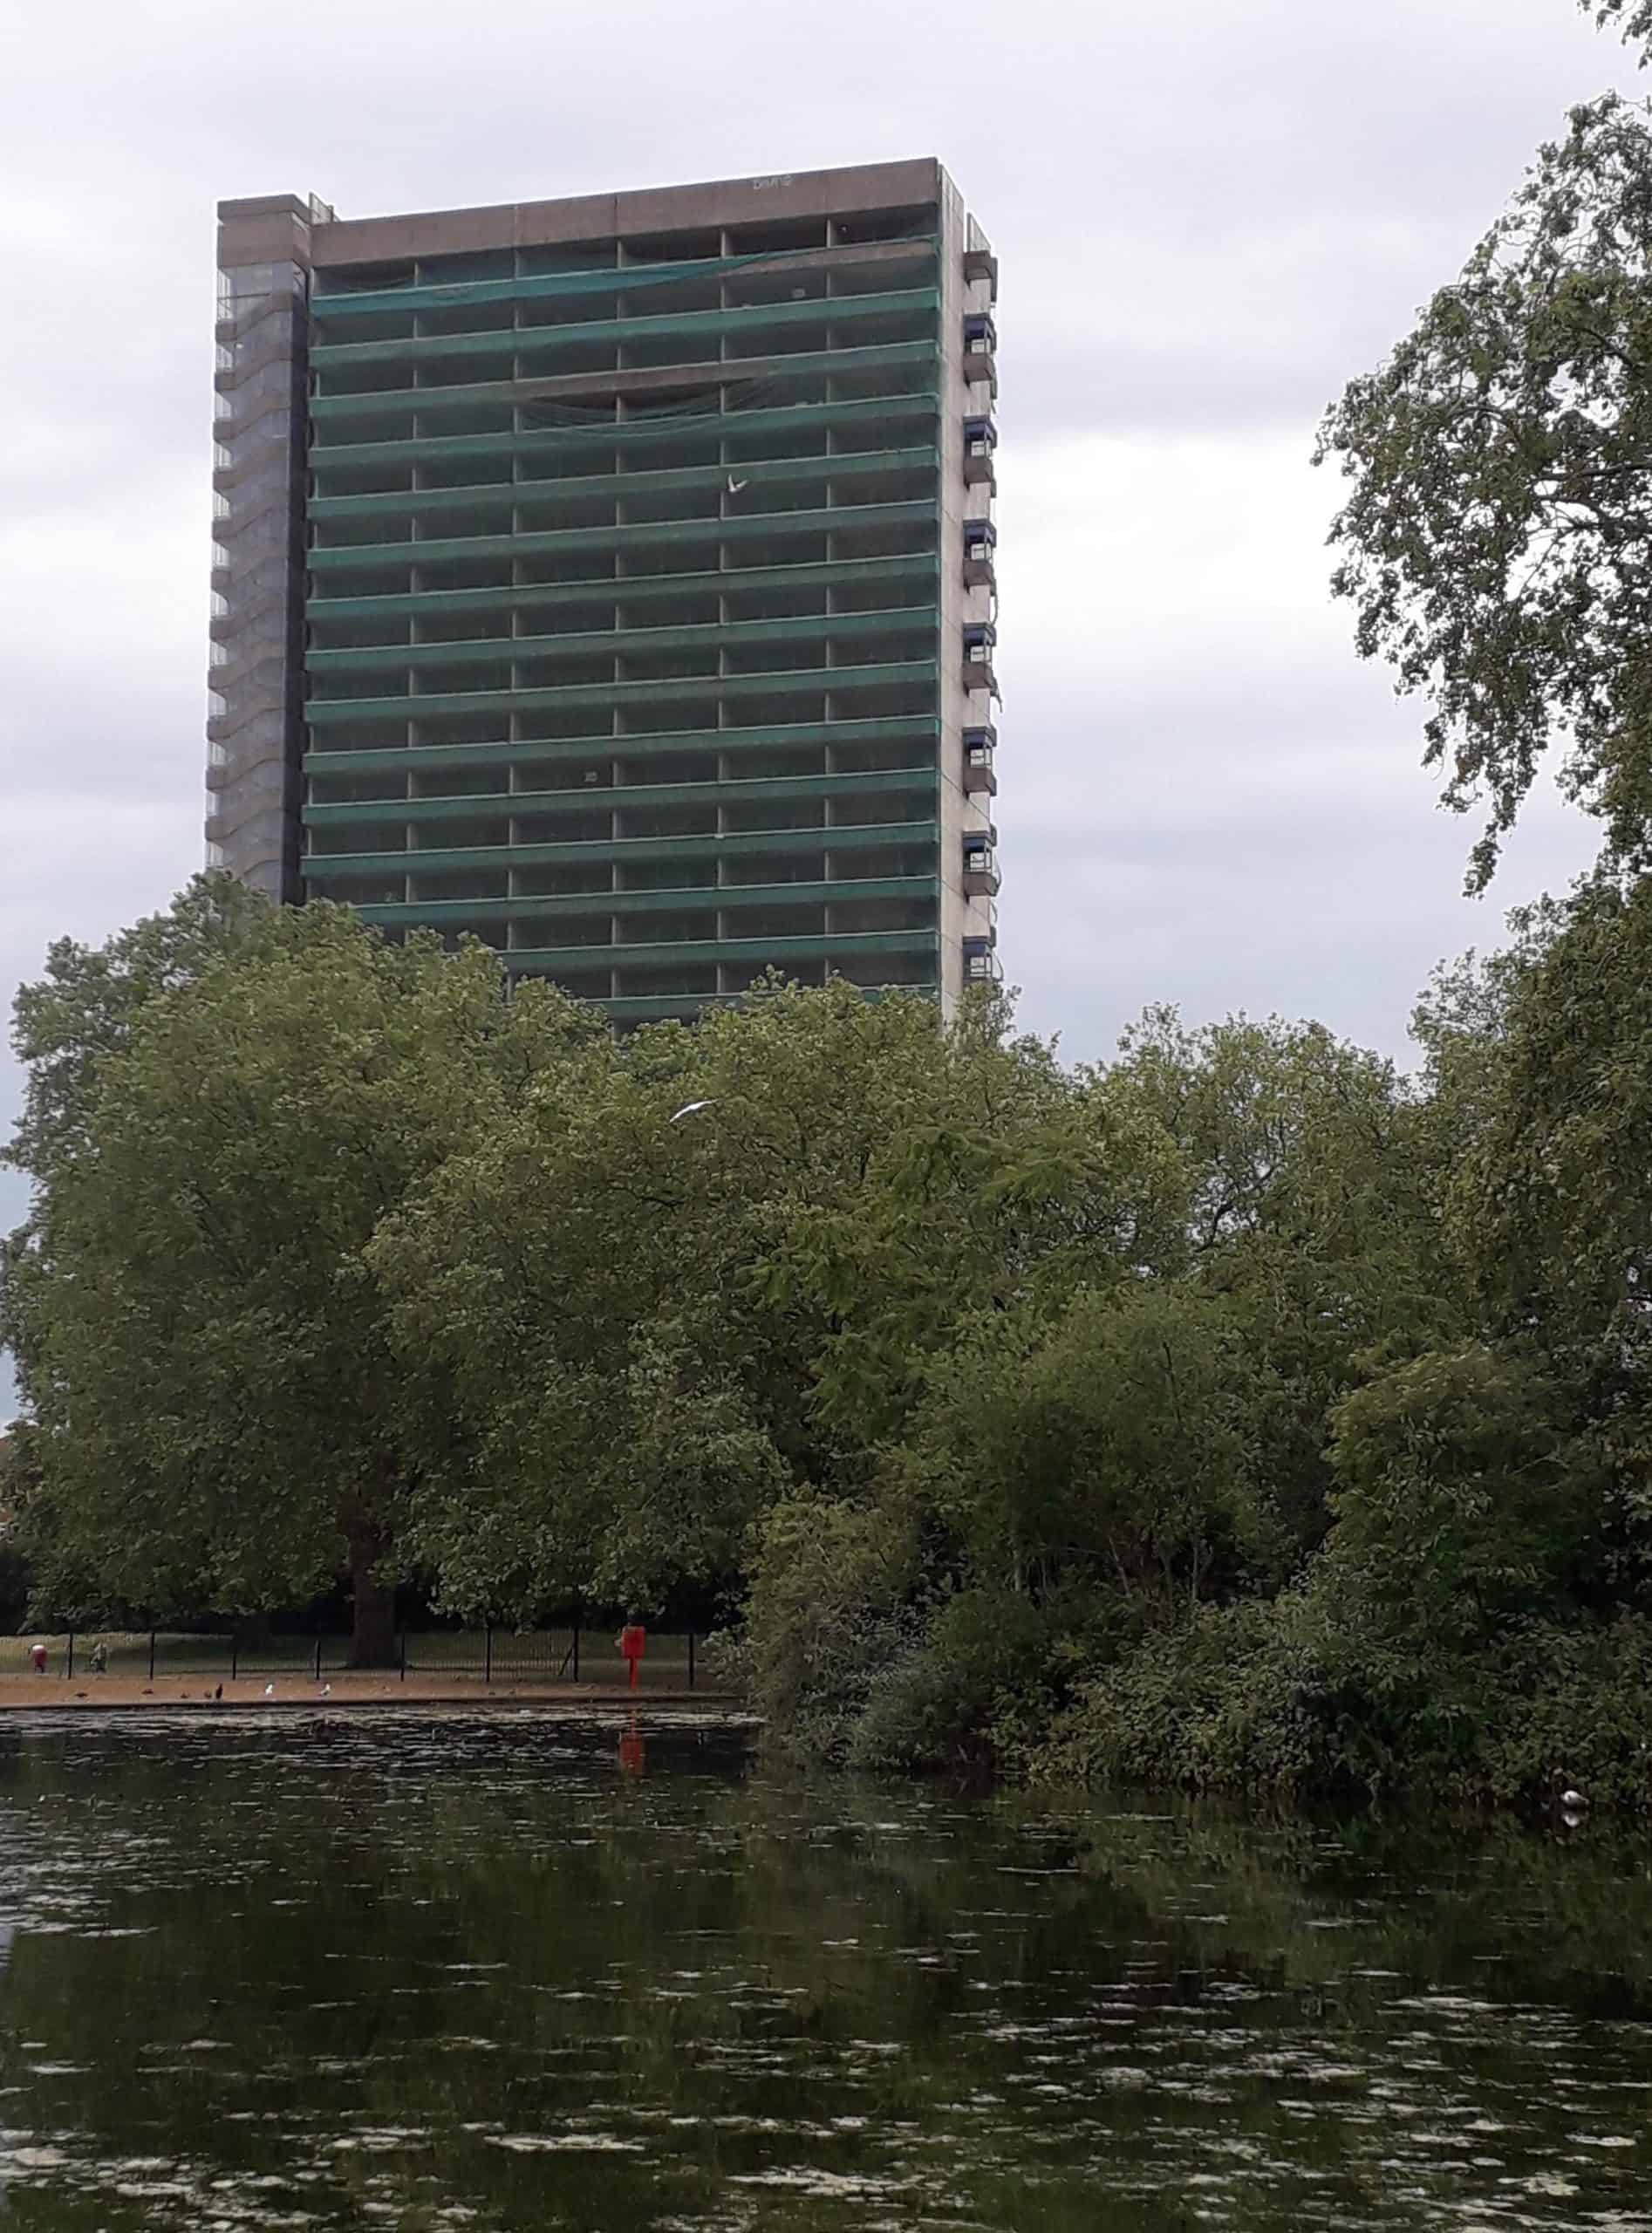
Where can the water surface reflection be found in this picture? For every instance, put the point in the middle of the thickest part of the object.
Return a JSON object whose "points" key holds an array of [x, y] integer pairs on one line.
{"points": [[497, 1973]]}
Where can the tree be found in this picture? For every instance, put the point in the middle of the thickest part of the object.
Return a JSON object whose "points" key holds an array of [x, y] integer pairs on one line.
{"points": [[1311, 1217], [611, 1485], [1497, 538], [83, 1010], [204, 1345], [1108, 1446], [796, 1246], [1554, 1200], [1457, 1510], [1634, 16], [19, 1486]]}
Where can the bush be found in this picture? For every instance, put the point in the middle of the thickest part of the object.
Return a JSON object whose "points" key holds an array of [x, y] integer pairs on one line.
{"points": [[1226, 1698], [1278, 1697], [830, 1589], [963, 1687], [1574, 1706]]}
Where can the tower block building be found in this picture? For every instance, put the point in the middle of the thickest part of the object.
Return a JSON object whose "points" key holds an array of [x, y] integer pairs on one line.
{"points": [[612, 579]]}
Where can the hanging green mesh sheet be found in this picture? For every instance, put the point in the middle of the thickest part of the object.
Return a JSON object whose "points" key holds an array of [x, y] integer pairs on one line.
{"points": [[366, 299]]}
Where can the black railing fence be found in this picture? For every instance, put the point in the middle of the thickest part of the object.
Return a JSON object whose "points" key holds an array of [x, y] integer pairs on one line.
{"points": [[586, 1655]]}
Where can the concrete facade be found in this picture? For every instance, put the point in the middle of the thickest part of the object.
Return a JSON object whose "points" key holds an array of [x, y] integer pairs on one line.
{"points": [[611, 578]]}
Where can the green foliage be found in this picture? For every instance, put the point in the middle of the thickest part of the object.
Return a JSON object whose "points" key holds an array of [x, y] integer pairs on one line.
{"points": [[1239, 1412], [983, 1668], [201, 1337], [1460, 1508], [1495, 535], [1311, 1213], [1286, 1697], [1443, 1630], [831, 1590], [1227, 1699], [82, 1012], [1568, 1705], [1112, 1441], [1633, 18], [613, 1487], [1557, 1185]]}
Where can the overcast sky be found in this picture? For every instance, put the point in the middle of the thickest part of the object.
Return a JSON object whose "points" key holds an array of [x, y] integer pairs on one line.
{"points": [[1209, 217]]}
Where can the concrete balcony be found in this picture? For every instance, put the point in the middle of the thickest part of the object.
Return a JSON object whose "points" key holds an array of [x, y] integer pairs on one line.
{"points": [[714, 329], [736, 635], [920, 405], [979, 636], [236, 527], [825, 946], [980, 346], [770, 530], [269, 609], [981, 263], [275, 348], [981, 869], [981, 964], [980, 747], [980, 440], [859, 785], [557, 751], [811, 682], [224, 727], [731, 900], [853, 838], [272, 452], [980, 547], [575, 490], [605, 385]]}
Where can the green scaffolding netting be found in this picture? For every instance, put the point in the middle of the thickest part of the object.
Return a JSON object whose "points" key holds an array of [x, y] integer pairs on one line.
{"points": [[369, 299]]}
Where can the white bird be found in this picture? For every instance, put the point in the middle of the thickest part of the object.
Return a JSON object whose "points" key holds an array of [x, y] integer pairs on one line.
{"points": [[689, 1109], [735, 486], [327, 1690], [1571, 1800], [269, 1690]]}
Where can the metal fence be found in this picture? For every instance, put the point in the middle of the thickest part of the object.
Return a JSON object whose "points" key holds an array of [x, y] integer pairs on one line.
{"points": [[589, 1656]]}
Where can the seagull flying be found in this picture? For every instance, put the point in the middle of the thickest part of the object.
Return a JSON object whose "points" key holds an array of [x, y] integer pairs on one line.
{"points": [[269, 1690], [735, 486], [688, 1108]]}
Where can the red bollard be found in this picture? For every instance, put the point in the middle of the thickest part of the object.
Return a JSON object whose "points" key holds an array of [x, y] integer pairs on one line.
{"points": [[633, 1641], [38, 1657]]}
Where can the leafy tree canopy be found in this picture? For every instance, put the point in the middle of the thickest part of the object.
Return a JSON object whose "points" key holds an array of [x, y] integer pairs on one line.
{"points": [[200, 1338], [1632, 17], [1496, 535]]}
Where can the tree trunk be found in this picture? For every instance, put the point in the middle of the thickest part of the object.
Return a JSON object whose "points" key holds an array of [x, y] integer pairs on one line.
{"points": [[373, 1635]]}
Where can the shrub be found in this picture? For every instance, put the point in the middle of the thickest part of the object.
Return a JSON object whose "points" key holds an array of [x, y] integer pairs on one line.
{"points": [[967, 1679], [830, 1585]]}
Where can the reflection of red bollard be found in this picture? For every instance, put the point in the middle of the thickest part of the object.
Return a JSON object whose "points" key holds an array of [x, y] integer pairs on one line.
{"points": [[633, 1641], [631, 1746], [38, 1657]]}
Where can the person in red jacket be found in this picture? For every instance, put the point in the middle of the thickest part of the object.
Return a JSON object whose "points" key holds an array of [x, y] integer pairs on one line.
{"points": [[633, 1641]]}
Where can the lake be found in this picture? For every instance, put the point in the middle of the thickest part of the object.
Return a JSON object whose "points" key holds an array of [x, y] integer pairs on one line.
{"points": [[495, 1970]]}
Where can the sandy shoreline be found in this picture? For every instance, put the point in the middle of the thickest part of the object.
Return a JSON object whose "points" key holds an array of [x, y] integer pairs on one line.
{"points": [[198, 1693]]}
